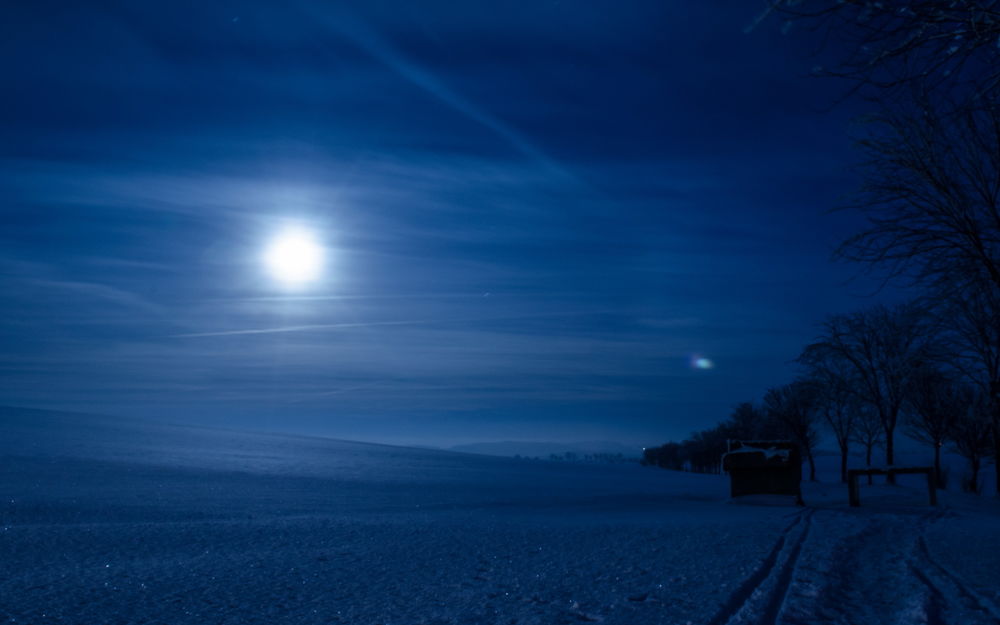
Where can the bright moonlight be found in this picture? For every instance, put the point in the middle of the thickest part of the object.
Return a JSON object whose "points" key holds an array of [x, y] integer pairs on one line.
{"points": [[294, 257]]}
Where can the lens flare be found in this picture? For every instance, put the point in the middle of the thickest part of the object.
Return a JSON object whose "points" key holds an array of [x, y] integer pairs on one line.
{"points": [[700, 362]]}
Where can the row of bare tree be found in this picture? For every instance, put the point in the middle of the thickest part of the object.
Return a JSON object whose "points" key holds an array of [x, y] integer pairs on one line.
{"points": [[884, 367], [931, 197], [867, 375]]}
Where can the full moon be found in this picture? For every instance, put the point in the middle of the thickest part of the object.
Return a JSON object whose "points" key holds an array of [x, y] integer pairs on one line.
{"points": [[294, 257]]}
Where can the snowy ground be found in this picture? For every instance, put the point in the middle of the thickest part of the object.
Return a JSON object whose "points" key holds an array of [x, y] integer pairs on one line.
{"points": [[110, 521]]}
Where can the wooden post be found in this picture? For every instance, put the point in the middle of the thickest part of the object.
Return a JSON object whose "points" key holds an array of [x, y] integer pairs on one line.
{"points": [[854, 496]]}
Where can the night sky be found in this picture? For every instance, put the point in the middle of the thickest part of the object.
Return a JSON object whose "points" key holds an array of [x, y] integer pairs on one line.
{"points": [[536, 217]]}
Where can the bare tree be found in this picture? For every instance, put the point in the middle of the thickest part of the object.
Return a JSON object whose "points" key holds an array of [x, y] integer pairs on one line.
{"points": [[974, 323], [883, 347], [886, 44], [837, 401], [971, 435], [745, 422], [867, 432], [931, 180], [794, 407], [933, 405], [931, 196], [748, 421]]}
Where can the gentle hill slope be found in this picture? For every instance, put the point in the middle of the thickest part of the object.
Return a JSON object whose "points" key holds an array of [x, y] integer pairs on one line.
{"points": [[107, 520], [212, 470]]}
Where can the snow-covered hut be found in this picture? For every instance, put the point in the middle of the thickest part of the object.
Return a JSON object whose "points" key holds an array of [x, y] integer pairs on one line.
{"points": [[764, 468]]}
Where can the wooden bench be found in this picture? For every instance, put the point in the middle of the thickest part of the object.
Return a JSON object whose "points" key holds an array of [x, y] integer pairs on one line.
{"points": [[853, 474]]}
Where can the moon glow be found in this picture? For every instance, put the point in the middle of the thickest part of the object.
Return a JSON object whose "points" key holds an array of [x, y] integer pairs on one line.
{"points": [[294, 257]]}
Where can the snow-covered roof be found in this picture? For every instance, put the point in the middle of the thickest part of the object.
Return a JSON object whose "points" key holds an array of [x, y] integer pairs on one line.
{"points": [[769, 452], [750, 456]]}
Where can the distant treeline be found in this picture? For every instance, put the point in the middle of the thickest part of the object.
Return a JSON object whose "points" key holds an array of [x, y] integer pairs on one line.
{"points": [[702, 451], [572, 456]]}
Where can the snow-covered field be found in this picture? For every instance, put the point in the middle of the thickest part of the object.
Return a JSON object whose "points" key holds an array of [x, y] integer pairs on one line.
{"points": [[106, 520]]}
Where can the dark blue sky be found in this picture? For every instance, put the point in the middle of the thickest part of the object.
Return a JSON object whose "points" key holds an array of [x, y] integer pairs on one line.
{"points": [[535, 214]]}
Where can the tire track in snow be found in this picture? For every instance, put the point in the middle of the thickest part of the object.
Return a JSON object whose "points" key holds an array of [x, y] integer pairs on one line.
{"points": [[935, 601], [777, 602], [877, 574], [858, 569], [764, 592], [881, 571], [942, 584]]}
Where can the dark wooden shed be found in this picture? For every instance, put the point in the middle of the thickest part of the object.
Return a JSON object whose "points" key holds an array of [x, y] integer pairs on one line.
{"points": [[764, 468]]}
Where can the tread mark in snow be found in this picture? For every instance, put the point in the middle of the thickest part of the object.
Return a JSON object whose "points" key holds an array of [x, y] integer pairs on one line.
{"points": [[972, 598], [935, 599], [779, 593], [752, 589]]}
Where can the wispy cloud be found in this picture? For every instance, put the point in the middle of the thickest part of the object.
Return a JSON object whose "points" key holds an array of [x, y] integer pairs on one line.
{"points": [[371, 324], [107, 293], [371, 42], [298, 328], [19, 274]]}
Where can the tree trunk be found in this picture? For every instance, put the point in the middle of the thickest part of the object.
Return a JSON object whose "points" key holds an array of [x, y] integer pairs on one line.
{"points": [[868, 461], [995, 400], [996, 443], [843, 462], [937, 465], [812, 465], [889, 455], [996, 454]]}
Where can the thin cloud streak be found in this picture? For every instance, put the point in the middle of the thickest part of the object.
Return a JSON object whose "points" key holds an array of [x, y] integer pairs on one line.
{"points": [[300, 328], [369, 41], [335, 298], [102, 291], [20, 274], [410, 322]]}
